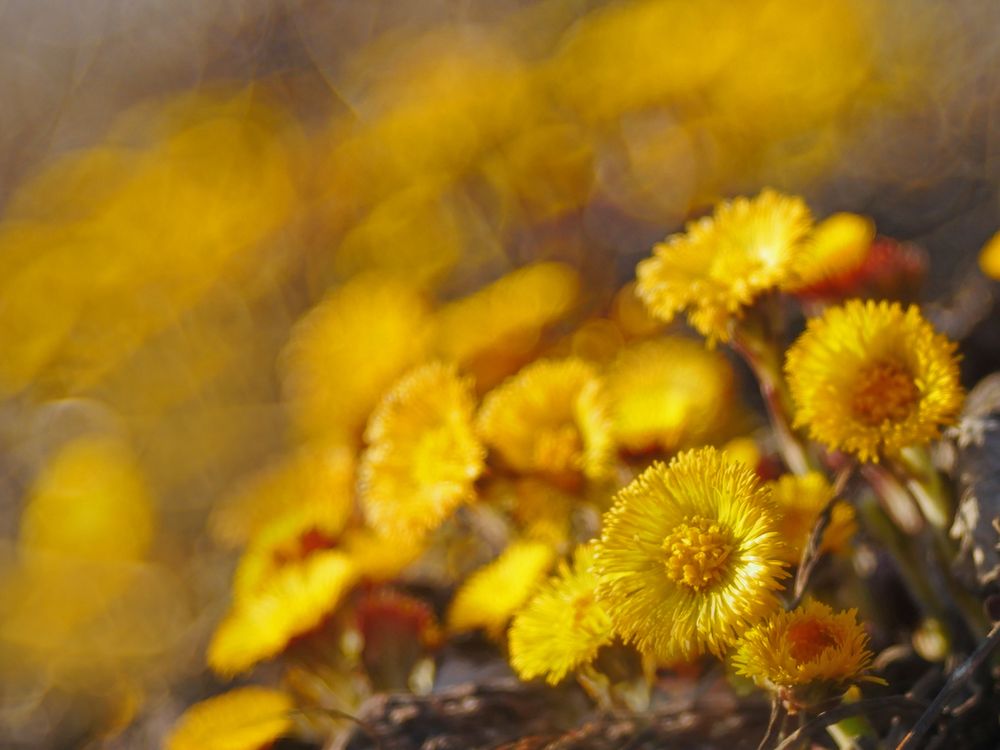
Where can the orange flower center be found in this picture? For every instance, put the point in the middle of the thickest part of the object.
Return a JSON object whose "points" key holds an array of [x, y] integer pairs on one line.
{"points": [[696, 552], [884, 392], [581, 607], [308, 542], [808, 639]]}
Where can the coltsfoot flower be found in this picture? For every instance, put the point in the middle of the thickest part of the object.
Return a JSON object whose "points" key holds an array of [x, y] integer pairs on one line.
{"points": [[423, 456], [347, 350], [805, 653], [837, 246], [668, 393], [870, 378], [494, 330], [290, 603], [800, 500], [721, 263], [248, 718], [290, 578], [317, 477], [552, 419], [690, 556], [563, 625], [491, 595]]}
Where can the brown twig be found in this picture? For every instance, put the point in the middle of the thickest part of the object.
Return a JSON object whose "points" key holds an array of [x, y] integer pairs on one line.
{"points": [[955, 681], [811, 552], [897, 703]]}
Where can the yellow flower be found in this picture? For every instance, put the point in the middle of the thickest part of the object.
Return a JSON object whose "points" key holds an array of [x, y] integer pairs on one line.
{"points": [[989, 257], [690, 556], [90, 502], [869, 378], [800, 500], [838, 245], [669, 393], [809, 646], [423, 456], [318, 477], [722, 263], [291, 603], [376, 559], [490, 596], [347, 350], [495, 330], [552, 419], [563, 625], [288, 581], [248, 718], [745, 450]]}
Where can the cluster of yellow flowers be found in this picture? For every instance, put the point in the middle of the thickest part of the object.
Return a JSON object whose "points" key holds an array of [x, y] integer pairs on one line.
{"points": [[413, 473]]}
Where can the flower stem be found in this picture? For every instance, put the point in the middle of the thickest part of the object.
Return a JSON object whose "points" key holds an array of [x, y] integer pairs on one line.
{"points": [[764, 360]]}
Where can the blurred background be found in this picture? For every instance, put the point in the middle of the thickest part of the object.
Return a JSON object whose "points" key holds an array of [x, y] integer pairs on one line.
{"points": [[183, 181]]}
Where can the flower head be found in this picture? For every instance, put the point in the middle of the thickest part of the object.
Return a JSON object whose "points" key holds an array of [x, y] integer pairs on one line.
{"points": [[248, 718], [494, 330], [287, 582], [721, 263], [423, 456], [800, 500], [563, 625], [689, 556], [490, 596], [809, 647], [348, 349], [319, 478], [668, 393], [837, 246], [870, 378], [550, 419], [989, 257]]}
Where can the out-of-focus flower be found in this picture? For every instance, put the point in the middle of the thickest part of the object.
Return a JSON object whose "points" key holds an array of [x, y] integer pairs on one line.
{"points": [[420, 231], [809, 647], [544, 171], [633, 55], [493, 331], [871, 379], [454, 81], [745, 450], [631, 315], [290, 604], [885, 269], [721, 263], [989, 257], [423, 455], [247, 718], [317, 477], [551, 419], [667, 394], [800, 500], [375, 560], [90, 502], [838, 245], [563, 625], [690, 556], [491, 595], [348, 350], [199, 186], [288, 581]]}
